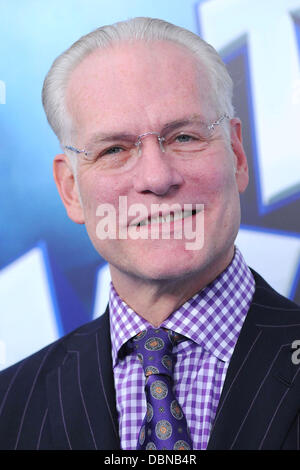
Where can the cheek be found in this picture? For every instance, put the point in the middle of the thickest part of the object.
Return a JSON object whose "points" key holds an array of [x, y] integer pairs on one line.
{"points": [[213, 184], [100, 191], [95, 190], [91, 198]]}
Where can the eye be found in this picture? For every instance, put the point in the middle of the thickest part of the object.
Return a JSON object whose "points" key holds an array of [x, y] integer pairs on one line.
{"points": [[183, 138], [113, 150]]}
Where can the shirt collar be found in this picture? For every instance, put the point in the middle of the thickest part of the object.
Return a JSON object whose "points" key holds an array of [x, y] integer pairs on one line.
{"points": [[212, 318]]}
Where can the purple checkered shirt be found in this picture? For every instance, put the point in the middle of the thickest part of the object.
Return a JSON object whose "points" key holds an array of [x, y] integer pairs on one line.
{"points": [[212, 320]]}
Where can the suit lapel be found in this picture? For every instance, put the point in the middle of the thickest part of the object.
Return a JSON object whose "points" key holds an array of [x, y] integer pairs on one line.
{"points": [[81, 396], [254, 412]]}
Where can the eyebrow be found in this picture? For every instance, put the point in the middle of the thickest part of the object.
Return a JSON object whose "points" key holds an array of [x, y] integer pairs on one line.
{"points": [[101, 137], [173, 125]]}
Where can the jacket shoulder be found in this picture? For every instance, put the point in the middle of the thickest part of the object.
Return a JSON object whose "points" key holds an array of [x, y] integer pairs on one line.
{"points": [[46, 358], [267, 298], [23, 386]]}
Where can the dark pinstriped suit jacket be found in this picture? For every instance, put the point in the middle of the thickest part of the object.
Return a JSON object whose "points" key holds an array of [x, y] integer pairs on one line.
{"points": [[63, 396]]}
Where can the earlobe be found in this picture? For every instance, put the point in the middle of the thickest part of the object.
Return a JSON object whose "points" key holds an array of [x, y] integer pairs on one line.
{"points": [[240, 164], [67, 188]]}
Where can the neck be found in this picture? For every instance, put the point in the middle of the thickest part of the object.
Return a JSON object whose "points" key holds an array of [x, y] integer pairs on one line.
{"points": [[155, 300]]}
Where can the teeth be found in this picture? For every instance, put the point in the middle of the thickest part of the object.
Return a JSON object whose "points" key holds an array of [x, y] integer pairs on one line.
{"points": [[167, 218], [178, 215]]}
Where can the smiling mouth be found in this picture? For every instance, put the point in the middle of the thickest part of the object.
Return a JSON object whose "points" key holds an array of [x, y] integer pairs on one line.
{"points": [[168, 218]]}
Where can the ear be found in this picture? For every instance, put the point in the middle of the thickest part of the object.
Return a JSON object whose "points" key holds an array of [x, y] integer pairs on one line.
{"points": [[241, 165], [67, 188]]}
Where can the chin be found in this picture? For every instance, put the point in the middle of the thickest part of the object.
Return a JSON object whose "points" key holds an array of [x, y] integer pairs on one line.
{"points": [[203, 264], [174, 266]]}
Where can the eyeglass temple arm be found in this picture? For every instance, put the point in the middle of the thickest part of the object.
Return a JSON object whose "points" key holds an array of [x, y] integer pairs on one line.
{"points": [[216, 123], [74, 149]]}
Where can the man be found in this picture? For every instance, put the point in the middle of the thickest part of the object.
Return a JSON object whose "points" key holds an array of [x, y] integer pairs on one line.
{"points": [[143, 112]]}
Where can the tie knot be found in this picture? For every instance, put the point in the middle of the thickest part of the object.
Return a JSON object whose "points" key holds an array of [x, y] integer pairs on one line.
{"points": [[154, 348]]}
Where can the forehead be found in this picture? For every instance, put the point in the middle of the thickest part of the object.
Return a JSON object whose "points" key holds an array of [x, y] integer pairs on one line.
{"points": [[137, 85]]}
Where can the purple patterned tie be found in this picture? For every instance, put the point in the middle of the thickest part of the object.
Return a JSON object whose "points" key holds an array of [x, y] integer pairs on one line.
{"points": [[164, 426]]}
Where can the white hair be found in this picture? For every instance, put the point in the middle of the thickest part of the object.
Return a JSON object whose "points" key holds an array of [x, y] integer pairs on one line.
{"points": [[141, 29]]}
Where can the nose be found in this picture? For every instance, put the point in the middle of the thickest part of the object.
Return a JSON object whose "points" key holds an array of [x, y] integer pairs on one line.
{"points": [[155, 172]]}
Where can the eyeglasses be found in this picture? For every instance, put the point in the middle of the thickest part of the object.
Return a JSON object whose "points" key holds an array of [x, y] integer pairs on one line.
{"points": [[185, 139]]}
